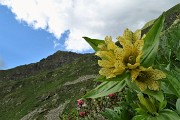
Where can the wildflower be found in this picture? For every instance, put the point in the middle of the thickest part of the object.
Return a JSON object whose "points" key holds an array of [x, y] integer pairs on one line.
{"points": [[111, 66], [116, 60], [130, 36], [131, 52], [80, 103], [111, 95], [147, 78], [82, 114]]}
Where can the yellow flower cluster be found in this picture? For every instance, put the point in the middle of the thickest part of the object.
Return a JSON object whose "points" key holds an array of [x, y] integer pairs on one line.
{"points": [[147, 78], [116, 60]]}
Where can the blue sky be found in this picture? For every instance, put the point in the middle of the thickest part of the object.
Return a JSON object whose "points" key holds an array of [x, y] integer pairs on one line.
{"points": [[34, 29], [21, 44]]}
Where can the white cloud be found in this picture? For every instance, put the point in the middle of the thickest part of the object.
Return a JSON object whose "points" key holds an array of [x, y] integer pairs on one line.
{"points": [[95, 18], [56, 43]]}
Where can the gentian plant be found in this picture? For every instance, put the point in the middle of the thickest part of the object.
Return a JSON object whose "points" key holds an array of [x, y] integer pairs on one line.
{"points": [[135, 62]]}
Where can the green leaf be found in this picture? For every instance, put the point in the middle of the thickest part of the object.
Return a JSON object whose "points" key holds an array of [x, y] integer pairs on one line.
{"points": [[178, 105], [117, 114], [139, 117], [166, 87], [174, 83], [125, 115], [132, 85], [106, 88], [163, 115], [151, 43], [93, 42], [167, 115], [169, 47], [117, 78], [111, 114], [158, 95], [148, 105], [162, 105], [148, 24], [178, 53]]}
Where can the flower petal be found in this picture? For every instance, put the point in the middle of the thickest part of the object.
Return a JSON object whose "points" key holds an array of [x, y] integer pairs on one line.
{"points": [[130, 66], [110, 44], [147, 77], [156, 74], [138, 58], [127, 46], [134, 74], [137, 35], [119, 53], [142, 85], [107, 72], [105, 63], [102, 47], [119, 63], [108, 55], [119, 67], [153, 85], [139, 44], [118, 71], [128, 35], [125, 43]]}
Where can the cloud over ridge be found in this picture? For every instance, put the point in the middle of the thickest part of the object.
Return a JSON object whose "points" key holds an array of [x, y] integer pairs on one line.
{"points": [[95, 18]]}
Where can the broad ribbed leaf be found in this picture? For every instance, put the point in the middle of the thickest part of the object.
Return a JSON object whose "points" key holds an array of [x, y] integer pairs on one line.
{"points": [[111, 114], [132, 85], [93, 42], [139, 117], [117, 78], [148, 24], [178, 105], [163, 115], [106, 88], [174, 82], [158, 95], [162, 105], [167, 115], [151, 43]]}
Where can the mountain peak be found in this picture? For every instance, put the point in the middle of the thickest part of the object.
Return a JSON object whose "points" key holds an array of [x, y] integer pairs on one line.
{"points": [[53, 61]]}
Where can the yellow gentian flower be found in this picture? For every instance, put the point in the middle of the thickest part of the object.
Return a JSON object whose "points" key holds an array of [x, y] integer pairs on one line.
{"points": [[111, 66], [147, 78], [132, 48], [116, 60]]}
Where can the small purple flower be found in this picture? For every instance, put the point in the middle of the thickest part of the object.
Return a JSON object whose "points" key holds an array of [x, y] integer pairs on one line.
{"points": [[111, 95], [82, 114], [80, 103]]}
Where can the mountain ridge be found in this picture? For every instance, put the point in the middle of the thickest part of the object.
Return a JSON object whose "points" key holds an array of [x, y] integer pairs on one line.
{"points": [[49, 63]]}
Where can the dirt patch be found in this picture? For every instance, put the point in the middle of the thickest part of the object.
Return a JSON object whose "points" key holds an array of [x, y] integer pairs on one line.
{"points": [[81, 79], [54, 113]]}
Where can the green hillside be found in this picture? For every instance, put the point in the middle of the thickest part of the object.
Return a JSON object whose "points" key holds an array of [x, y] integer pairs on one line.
{"points": [[41, 87]]}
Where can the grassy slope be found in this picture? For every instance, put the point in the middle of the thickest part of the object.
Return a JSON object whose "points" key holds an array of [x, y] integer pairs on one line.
{"points": [[45, 88]]}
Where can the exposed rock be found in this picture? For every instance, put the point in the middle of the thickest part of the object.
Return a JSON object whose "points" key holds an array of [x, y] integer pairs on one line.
{"points": [[56, 112], [30, 115], [81, 79]]}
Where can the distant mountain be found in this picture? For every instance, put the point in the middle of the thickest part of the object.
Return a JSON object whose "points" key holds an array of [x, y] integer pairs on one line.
{"points": [[36, 90], [45, 89], [52, 62]]}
